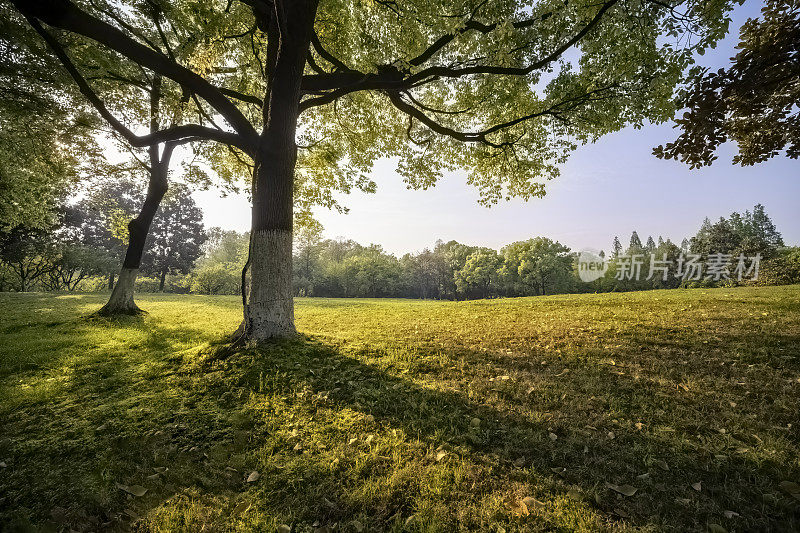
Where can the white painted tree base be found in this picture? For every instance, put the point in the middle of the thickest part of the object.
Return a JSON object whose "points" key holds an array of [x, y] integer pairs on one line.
{"points": [[269, 313], [121, 301]]}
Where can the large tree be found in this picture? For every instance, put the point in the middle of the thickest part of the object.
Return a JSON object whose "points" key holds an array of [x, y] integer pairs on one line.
{"points": [[504, 89], [538, 264]]}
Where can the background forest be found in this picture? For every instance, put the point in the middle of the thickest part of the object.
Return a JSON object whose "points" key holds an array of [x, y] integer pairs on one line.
{"points": [[82, 250]]}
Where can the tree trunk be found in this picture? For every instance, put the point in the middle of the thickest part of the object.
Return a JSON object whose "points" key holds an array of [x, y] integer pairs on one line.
{"points": [[161, 281], [269, 309], [121, 301], [111, 282], [122, 297]]}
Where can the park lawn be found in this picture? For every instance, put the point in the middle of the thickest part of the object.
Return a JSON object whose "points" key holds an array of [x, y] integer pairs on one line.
{"points": [[406, 415]]}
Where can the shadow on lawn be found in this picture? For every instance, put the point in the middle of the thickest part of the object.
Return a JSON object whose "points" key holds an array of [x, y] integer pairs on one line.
{"points": [[206, 421]]}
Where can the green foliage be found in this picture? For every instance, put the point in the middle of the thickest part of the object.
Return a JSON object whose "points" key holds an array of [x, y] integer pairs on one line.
{"points": [[539, 265], [750, 234], [503, 89], [480, 272], [176, 235], [781, 269], [216, 278], [753, 103], [46, 142]]}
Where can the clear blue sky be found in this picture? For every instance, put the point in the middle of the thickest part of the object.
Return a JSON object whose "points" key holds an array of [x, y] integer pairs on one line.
{"points": [[606, 189]]}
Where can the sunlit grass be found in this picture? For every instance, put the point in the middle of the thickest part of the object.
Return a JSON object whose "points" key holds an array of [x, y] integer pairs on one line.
{"points": [[406, 415]]}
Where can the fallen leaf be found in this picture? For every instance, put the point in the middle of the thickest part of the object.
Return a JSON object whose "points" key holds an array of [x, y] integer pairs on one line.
{"points": [[352, 441], [558, 470], [283, 528], [698, 486], [240, 508], [328, 503], [611, 435], [135, 490], [731, 514], [3, 465], [625, 490], [791, 488], [358, 526], [553, 436], [716, 528], [441, 455], [532, 503], [369, 439], [575, 494], [518, 508], [475, 422], [160, 469], [519, 463], [253, 477]]}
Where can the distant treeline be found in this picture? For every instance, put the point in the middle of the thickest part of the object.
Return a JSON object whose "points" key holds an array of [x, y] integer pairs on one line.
{"points": [[83, 252], [452, 270]]}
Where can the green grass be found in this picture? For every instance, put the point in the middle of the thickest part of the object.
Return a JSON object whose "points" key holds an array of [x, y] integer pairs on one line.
{"points": [[406, 415]]}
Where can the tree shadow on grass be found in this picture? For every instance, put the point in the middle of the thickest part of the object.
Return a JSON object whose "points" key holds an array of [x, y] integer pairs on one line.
{"points": [[449, 443]]}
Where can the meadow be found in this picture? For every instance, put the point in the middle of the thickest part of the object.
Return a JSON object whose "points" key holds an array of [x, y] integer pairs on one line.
{"points": [[652, 411]]}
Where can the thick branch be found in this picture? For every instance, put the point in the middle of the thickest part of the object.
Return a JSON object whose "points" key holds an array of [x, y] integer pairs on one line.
{"points": [[447, 72], [327, 56], [65, 15], [250, 99], [392, 79], [474, 25], [177, 133]]}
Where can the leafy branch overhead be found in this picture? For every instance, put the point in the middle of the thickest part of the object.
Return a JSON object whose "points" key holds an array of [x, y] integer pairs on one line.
{"points": [[503, 89], [754, 102]]}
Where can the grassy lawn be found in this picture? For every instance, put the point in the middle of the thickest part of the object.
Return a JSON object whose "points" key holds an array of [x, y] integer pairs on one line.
{"points": [[657, 411]]}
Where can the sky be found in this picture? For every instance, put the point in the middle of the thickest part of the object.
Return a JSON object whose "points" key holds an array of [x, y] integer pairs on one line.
{"points": [[608, 188]]}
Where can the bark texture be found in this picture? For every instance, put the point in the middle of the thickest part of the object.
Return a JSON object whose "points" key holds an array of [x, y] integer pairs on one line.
{"points": [[121, 301], [270, 308]]}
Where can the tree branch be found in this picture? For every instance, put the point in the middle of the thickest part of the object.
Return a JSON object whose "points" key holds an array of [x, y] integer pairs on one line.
{"points": [[65, 15], [177, 133], [392, 79]]}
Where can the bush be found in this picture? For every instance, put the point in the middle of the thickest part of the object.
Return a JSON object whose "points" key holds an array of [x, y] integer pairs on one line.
{"points": [[147, 284], [94, 284], [216, 279], [783, 269]]}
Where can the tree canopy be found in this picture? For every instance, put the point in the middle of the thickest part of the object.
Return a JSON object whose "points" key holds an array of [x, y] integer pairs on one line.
{"points": [[503, 89]]}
